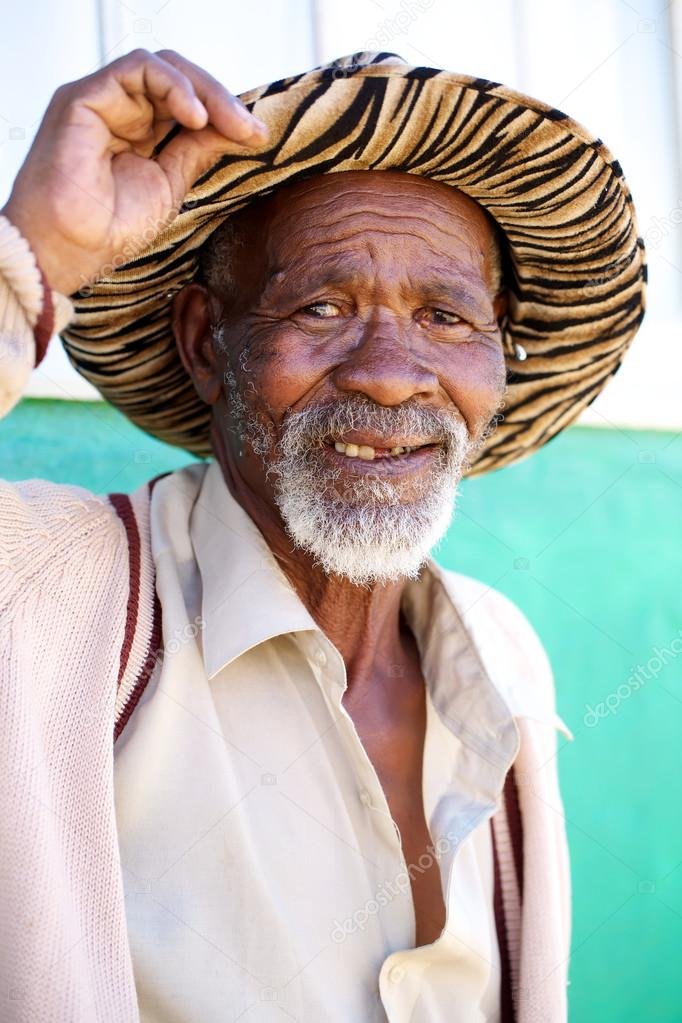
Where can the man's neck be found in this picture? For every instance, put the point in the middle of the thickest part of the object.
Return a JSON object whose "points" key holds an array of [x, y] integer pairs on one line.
{"points": [[364, 623]]}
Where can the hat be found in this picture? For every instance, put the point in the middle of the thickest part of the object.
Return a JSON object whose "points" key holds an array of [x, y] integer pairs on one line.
{"points": [[575, 264]]}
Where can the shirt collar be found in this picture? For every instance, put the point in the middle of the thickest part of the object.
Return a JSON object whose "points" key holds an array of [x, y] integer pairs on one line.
{"points": [[247, 599]]}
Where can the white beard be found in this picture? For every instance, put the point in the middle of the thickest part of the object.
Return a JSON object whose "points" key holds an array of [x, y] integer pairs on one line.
{"points": [[364, 531]]}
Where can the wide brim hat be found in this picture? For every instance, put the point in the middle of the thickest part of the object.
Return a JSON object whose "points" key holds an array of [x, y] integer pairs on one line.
{"points": [[574, 263]]}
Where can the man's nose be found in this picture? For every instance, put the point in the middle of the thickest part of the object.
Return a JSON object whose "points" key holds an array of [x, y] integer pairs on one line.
{"points": [[384, 368]]}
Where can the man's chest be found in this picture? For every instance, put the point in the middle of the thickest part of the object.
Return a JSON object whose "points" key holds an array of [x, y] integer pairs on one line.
{"points": [[393, 732], [260, 851]]}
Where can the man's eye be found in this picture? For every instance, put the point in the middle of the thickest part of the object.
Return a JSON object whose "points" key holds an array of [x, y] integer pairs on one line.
{"points": [[324, 310], [441, 317]]}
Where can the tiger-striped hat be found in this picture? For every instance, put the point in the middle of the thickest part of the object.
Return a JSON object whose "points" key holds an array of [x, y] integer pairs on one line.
{"points": [[576, 272]]}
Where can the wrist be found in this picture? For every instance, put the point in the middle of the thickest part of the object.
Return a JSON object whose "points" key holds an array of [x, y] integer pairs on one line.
{"points": [[44, 310], [54, 264]]}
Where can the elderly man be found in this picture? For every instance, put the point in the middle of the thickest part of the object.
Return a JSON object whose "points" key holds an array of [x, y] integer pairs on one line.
{"points": [[332, 793]]}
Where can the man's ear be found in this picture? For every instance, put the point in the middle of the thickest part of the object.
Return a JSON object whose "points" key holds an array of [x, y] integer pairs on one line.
{"points": [[194, 311]]}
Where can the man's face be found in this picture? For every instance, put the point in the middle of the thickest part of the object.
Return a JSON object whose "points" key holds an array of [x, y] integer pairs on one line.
{"points": [[364, 323]]}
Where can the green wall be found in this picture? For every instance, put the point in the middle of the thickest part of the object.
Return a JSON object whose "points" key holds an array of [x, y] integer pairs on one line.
{"points": [[585, 537]]}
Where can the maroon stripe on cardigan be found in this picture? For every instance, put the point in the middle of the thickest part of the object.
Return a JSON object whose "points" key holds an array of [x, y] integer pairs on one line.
{"points": [[507, 1014], [124, 509], [511, 801], [44, 328], [154, 646], [153, 654]]}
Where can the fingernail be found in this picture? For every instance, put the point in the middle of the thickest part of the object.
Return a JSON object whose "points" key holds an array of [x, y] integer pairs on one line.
{"points": [[243, 112], [247, 117]]}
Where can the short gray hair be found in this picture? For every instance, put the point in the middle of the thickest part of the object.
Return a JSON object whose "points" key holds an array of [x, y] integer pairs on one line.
{"points": [[216, 257], [496, 281]]}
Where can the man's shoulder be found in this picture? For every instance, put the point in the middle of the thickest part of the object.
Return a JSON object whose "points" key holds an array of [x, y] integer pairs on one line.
{"points": [[63, 557], [487, 609], [54, 508], [507, 643], [63, 530], [37, 512]]}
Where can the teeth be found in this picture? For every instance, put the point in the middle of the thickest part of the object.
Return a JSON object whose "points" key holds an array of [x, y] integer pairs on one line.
{"points": [[365, 450]]}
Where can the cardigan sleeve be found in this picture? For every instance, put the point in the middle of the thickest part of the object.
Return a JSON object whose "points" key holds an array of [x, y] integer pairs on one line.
{"points": [[79, 634], [64, 593], [30, 313]]}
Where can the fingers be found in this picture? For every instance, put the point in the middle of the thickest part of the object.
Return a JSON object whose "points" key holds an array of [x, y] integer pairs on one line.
{"points": [[135, 94], [187, 156], [226, 113]]}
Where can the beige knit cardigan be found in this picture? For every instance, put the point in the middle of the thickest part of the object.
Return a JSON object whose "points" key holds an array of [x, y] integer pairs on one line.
{"points": [[80, 636]]}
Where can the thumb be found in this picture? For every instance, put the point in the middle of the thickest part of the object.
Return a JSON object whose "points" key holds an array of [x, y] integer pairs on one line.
{"points": [[190, 153]]}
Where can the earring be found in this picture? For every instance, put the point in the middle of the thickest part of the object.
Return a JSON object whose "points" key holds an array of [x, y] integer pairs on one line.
{"points": [[519, 352]]}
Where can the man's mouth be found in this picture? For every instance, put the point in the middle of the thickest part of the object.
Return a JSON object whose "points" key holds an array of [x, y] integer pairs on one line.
{"points": [[369, 453]]}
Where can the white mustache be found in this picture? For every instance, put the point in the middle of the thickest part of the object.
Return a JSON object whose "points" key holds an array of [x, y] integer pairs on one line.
{"points": [[318, 424]]}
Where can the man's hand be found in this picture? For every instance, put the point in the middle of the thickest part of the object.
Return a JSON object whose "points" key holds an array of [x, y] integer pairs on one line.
{"points": [[88, 185]]}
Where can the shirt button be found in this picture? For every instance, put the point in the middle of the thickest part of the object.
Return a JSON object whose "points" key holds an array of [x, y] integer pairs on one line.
{"points": [[396, 974], [365, 798], [320, 657]]}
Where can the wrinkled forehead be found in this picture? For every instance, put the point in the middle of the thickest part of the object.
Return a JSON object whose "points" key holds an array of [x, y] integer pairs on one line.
{"points": [[383, 226], [395, 212], [379, 185], [384, 197]]}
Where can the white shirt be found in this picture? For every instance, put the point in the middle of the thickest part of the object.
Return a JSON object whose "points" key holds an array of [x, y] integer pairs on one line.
{"points": [[264, 874]]}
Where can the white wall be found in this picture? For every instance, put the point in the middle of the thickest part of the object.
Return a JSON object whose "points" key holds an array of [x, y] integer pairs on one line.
{"points": [[614, 64]]}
